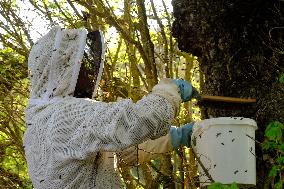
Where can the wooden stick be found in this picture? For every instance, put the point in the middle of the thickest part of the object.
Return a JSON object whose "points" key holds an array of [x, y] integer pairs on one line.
{"points": [[227, 99]]}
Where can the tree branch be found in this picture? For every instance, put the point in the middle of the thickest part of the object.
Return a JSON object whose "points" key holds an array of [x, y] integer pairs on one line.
{"points": [[63, 12], [165, 41], [75, 10], [148, 46]]}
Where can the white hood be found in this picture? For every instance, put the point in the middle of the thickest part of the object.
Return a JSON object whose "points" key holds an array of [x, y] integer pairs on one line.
{"points": [[54, 64]]}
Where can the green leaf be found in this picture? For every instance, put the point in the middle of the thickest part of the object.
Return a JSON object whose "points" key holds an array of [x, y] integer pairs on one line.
{"points": [[279, 185], [281, 147], [269, 145], [216, 185], [234, 186], [281, 79], [280, 160], [274, 131], [273, 171]]}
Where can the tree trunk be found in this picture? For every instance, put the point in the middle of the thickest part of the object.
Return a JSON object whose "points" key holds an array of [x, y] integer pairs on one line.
{"points": [[240, 45]]}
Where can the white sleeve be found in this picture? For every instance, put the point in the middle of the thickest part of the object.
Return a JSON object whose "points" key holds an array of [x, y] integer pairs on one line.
{"points": [[147, 151], [84, 127]]}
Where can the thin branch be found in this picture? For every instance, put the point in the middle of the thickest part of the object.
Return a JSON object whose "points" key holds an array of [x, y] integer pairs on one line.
{"points": [[170, 39], [47, 12], [12, 46], [116, 54], [75, 10], [203, 167], [21, 25], [113, 22], [5, 13], [150, 66], [44, 12], [165, 41], [63, 12]]}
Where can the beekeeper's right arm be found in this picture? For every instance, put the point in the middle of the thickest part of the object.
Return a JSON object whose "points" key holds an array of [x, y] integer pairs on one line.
{"points": [[85, 127], [151, 149]]}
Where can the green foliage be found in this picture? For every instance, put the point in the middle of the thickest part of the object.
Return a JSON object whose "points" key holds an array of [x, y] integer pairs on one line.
{"points": [[280, 160], [281, 79], [274, 144], [269, 145], [218, 185], [279, 185], [273, 171], [274, 131], [13, 97], [281, 147]]}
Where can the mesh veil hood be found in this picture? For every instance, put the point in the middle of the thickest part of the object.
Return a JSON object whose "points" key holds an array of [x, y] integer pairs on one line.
{"points": [[54, 64]]}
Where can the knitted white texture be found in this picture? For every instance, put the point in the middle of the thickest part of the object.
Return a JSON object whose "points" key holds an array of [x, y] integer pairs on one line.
{"points": [[63, 138], [64, 135], [167, 89], [54, 63]]}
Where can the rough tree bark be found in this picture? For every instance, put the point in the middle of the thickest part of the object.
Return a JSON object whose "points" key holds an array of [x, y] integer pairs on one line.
{"points": [[240, 47]]}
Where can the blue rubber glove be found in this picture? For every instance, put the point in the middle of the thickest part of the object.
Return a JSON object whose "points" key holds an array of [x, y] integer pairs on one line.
{"points": [[185, 89], [180, 136]]}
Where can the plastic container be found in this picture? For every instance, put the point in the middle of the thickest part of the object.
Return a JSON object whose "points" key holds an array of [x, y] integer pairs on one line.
{"points": [[226, 148]]}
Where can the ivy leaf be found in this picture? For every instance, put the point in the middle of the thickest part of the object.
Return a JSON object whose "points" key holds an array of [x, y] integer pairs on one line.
{"points": [[274, 130], [281, 79], [273, 171]]}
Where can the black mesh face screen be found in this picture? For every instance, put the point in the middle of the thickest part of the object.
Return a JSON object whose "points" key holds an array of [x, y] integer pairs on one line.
{"points": [[90, 67]]}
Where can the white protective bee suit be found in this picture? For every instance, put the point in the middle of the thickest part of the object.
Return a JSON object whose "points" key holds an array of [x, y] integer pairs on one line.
{"points": [[69, 142]]}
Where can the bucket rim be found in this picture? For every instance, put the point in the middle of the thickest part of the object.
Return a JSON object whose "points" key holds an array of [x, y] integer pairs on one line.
{"points": [[229, 120], [207, 123]]}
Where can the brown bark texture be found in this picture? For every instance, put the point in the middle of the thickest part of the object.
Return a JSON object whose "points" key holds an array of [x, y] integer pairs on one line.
{"points": [[240, 45]]}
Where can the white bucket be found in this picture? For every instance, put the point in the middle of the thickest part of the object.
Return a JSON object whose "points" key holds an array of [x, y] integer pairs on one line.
{"points": [[226, 148]]}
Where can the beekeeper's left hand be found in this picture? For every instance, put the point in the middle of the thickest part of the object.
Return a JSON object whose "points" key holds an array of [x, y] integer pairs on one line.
{"points": [[180, 136]]}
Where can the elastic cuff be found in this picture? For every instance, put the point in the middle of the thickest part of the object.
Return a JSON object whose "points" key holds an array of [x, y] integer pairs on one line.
{"points": [[167, 89]]}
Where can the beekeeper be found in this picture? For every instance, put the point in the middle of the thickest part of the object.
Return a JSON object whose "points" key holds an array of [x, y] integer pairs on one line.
{"points": [[70, 139]]}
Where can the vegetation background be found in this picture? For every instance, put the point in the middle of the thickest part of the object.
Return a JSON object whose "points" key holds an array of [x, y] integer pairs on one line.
{"points": [[232, 48]]}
